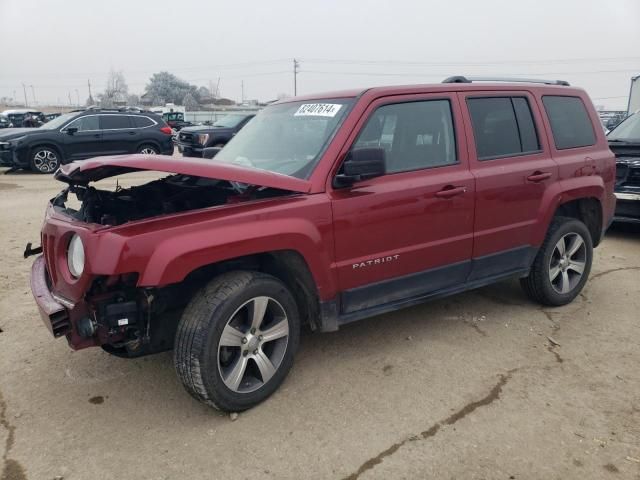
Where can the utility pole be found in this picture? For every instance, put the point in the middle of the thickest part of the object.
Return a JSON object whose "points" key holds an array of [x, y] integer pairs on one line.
{"points": [[24, 89], [78, 97], [70, 103], [218, 88], [33, 93], [89, 85], [242, 86], [296, 66]]}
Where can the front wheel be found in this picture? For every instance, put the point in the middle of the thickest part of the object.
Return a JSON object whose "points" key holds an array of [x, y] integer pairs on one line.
{"points": [[44, 160], [236, 340], [562, 265]]}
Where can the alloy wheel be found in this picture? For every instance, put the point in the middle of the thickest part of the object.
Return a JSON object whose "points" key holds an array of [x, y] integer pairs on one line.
{"points": [[253, 344], [46, 161], [567, 263], [148, 151]]}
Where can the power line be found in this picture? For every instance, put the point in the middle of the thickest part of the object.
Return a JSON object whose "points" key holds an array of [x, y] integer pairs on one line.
{"points": [[441, 75], [467, 63]]}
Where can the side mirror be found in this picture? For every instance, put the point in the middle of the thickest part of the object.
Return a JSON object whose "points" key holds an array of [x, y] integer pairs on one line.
{"points": [[71, 130], [210, 152], [361, 164]]}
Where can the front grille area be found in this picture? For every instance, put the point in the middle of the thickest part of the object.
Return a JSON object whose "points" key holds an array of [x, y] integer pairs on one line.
{"points": [[186, 137], [633, 177]]}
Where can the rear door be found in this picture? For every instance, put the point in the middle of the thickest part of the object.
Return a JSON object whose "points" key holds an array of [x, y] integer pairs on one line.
{"points": [[119, 134], [409, 232], [86, 142], [513, 167]]}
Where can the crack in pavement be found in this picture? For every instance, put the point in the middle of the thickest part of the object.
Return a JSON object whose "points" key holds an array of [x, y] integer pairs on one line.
{"points": [[11, 470], [469, 408], [612, 270]]}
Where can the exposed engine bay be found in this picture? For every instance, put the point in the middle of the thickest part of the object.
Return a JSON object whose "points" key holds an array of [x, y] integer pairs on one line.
{"points": [[171, 194]]}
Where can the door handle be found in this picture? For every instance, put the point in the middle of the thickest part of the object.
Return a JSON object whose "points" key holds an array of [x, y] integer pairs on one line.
{"points": [[451, 191], [539, 176], [96, 135], [132, 133]]}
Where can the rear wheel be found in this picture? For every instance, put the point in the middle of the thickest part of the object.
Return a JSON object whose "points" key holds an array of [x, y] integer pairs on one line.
{"points": [[562, 265], [236, 340], [148, 150], [44, 160]]}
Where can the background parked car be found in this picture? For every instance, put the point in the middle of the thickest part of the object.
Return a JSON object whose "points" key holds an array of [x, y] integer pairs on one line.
{"points": [[17, 117], [84, 134], [191, 140], [624, 141], [4, 122]]}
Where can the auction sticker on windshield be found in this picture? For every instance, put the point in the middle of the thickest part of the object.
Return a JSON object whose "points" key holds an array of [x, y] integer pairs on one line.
{"points": [[318, 110]]}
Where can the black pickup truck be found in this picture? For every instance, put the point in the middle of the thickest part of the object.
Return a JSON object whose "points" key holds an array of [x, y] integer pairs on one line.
{"points": [[192, 140], [624, 141]]}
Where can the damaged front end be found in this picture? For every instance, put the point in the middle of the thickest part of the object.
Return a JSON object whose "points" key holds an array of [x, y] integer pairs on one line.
{"points": [[86, 282]]}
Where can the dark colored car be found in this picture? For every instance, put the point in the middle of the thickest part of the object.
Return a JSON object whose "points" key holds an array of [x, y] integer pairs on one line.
{"points": [[81, 135], [624, 141], [17, 116], [191, 140], [5, 122], [325, 210]]}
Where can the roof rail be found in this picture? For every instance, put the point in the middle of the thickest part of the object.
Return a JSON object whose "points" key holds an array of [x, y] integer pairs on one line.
{"points": [[462, 79]]}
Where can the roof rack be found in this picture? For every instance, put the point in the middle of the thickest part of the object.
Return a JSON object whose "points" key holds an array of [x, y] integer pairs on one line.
{"points": [[96, 108], [462, 79]]}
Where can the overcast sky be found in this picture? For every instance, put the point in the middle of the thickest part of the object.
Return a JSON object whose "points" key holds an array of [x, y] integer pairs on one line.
{"points": [[57, 45]]}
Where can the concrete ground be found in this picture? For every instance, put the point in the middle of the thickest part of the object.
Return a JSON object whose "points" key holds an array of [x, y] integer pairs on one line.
{"points": [[483, 385]]}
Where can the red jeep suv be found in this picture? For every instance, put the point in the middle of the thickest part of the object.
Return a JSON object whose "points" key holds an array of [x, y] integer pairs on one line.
{"points": [[324, 210]]}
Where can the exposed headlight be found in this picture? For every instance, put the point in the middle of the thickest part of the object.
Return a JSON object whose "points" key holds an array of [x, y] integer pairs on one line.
{"points": [[75, 256], [203, 138]]}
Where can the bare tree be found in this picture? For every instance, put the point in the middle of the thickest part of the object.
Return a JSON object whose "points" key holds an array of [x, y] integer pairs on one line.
{"points": [[115, 91]]}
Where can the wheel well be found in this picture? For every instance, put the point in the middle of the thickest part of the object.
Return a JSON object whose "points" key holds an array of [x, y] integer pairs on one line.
{"points": [[48, 145], [588, 211], [286, 265], [152, 143]]}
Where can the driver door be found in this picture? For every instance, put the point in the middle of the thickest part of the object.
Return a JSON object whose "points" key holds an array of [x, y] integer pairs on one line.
{"points": [[410, 232], [86, 142]]}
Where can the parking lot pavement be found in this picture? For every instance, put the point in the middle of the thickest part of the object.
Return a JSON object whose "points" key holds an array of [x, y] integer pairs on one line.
{"points": [[484, 385]]}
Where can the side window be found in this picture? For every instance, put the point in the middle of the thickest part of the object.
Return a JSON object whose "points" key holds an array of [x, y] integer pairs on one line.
{"points": [[141, 122], [414, 135], [111, 122], [83, 124], [569, 121], [502, 126]]}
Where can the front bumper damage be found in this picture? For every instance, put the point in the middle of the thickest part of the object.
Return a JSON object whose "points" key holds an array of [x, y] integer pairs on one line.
{"points": [[54, 315]]}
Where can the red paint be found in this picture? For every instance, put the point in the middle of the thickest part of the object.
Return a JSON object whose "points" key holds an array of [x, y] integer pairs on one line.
{"points": [[494, 205]]}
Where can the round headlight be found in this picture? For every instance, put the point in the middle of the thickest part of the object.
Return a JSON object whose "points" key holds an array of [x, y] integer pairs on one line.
{"points": [[75, 256]]}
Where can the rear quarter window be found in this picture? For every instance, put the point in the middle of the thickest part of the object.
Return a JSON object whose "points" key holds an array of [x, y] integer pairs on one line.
{"points": [[570, 122], [142, 122]]}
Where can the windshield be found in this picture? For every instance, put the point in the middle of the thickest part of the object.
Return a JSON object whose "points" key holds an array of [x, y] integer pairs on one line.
{"points": [[173, 116], [628, 130], [287, 138], [229, 121], [58, 122]]}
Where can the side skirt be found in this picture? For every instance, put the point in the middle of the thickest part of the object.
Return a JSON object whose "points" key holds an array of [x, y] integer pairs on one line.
{"points": [[331, 320]]}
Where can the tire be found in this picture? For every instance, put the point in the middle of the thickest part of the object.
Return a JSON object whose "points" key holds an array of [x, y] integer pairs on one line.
{"points": [[44, 159], [209, 370], [556, 279], [148, 149]]}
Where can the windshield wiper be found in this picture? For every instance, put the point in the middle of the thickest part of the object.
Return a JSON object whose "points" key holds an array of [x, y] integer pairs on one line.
{"points": [[615, 140]]}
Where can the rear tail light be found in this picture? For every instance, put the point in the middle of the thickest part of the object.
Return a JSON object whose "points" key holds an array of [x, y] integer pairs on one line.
{"points": [[166, 130]]}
